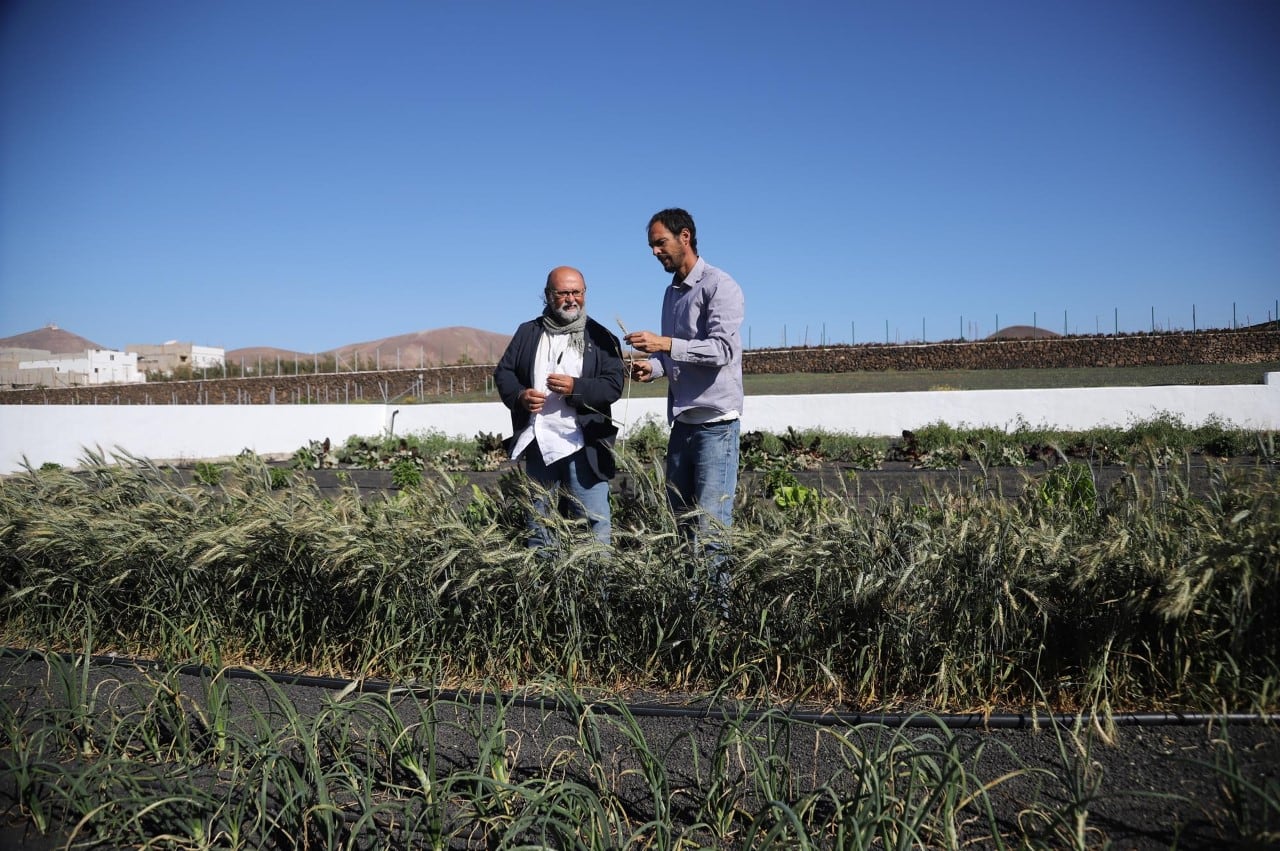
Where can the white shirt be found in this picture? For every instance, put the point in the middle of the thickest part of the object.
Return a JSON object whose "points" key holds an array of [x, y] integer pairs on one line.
{"points": [[556, 425]]}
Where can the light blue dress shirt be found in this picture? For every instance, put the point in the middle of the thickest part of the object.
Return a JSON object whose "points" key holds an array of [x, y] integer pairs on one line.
{"points": [[702, 315]]}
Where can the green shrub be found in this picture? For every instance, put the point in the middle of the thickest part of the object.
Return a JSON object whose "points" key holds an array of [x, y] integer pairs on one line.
{"points": [[208, 473], [778, 479], [796, 497], [938, 436], [866, 456], [280, 478], [1160, 440], [647, 441], [1069, 486], [1219, 439], [406, 473]]}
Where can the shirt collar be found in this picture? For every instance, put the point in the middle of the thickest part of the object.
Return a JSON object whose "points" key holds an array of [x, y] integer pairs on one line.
{"points": [[695, 275]]}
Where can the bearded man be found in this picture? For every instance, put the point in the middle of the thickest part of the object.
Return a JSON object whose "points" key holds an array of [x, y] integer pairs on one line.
{"points": [[559, 376]]}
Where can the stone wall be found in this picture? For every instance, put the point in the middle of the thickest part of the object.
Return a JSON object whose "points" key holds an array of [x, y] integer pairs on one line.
{"points": [[381, 386], [1174, 349], [442, 383]]}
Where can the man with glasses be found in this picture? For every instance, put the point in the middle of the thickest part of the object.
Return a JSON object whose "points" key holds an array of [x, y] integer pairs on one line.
{"points": [[559, 376], [700, 353]]}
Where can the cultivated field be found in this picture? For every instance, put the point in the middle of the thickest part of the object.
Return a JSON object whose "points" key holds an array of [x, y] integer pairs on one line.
{"points": [[871, 647], [966, 379]]}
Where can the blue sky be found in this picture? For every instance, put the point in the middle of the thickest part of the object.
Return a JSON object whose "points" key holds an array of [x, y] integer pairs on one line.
{"points": [[309, 174]]}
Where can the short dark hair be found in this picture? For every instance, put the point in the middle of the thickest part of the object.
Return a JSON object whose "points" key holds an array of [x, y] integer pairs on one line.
{"points": [[675, 220]]}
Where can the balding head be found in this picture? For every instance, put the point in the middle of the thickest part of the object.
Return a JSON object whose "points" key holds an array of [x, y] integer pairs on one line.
{"points": [[565, 278]]}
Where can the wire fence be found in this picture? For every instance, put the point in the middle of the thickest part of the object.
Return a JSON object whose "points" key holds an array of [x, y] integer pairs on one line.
{"points": [[965, 329], [968, 329]]}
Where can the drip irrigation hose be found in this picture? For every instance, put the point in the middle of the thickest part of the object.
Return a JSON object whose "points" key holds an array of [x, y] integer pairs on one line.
{"points": [[970, 720]]}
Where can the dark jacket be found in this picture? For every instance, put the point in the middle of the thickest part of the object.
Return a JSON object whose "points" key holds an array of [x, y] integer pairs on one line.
{"points": [[599, 386]]}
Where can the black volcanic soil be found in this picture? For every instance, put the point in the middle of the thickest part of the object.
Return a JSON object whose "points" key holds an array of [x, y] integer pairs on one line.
{"points": [[1149, 787]]}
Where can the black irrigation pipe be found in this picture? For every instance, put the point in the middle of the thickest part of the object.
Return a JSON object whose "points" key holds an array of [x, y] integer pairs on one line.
{"points": [[971, 720]]}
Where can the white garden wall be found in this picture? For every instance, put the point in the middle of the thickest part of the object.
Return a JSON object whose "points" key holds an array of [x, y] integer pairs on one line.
{"points": [[60, 433]]}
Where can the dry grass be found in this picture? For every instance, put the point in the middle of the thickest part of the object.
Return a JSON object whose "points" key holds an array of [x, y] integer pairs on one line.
{"points": [[1142, 595]]}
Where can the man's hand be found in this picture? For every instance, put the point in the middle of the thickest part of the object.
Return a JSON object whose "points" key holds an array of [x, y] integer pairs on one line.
{"points": [[648, 342], [532, 400], [558, 383], [642, 371]]}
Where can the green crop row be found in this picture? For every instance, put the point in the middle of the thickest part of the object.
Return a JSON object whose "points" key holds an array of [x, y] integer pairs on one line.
{"points": [[157, 758]]}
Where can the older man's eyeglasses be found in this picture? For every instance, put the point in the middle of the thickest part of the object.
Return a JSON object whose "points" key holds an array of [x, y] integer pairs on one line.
{"points": [[563, 294]]}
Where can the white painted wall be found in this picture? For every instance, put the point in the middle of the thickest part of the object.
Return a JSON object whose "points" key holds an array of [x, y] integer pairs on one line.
{"points": [[203, 357], [60, 433], [93, 366], [1069, 409]]}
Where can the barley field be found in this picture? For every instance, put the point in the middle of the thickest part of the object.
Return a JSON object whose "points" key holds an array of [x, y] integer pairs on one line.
{"points": [[843, 693]]}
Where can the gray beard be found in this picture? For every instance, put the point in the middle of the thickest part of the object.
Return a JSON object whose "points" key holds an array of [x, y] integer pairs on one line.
{"points": [[566, 316], [555, 322]]}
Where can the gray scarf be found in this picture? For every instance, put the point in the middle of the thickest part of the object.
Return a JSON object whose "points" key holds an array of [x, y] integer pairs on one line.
{"points": [[575, 329]]}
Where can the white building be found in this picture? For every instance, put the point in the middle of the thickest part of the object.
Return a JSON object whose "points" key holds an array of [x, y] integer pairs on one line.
{"points": [[35, 368], [171, 356]]}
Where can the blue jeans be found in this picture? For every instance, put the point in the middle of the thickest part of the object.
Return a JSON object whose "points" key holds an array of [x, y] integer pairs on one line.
{"points": [[702, 473], [573, 488]]}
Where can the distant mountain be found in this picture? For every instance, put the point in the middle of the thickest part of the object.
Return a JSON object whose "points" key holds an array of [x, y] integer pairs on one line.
{"points": [[440, 346], [52, 339], [251, 354], [1023, 332]]}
